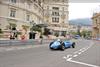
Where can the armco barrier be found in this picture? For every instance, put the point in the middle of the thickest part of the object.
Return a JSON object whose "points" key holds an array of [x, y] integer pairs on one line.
{"points": [[24, 42]]}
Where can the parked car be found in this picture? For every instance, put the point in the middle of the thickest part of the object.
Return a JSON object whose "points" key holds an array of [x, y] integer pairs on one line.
{"points": [[77, 36], [98, 39], [62, 45], [88, 38]]}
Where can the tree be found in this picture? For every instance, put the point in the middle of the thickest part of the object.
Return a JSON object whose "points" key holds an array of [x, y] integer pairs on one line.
{"points": [[36, 28], [63, 33], [83, 33], [47, 31], [1, 30], [78, 32], [56, 34], [86, 33]]}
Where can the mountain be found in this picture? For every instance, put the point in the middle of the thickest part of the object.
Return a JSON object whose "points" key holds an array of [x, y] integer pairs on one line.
{"points": [[84, 21]]}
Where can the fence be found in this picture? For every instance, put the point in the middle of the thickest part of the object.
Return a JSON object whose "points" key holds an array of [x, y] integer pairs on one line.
{"points": [[24, 42]]}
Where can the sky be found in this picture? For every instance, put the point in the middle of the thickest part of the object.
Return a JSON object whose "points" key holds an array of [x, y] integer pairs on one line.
{"points": [[82, 10]]}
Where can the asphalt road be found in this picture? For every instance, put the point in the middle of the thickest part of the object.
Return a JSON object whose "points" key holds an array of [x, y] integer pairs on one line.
{"points": [[85, 54]]}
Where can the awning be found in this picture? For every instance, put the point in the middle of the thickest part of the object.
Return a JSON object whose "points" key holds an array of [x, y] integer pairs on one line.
{"points": [[42, 25], [58, 28]]}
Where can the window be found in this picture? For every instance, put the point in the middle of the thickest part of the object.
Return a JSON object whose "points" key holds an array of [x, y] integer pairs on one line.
{"points": [[12, 13], [55, 8], [39, 2], [29, 5], [34, 0], [47, 7], [28, 17], [55, 13], [55, 19], [63, 8], [13, 1]]}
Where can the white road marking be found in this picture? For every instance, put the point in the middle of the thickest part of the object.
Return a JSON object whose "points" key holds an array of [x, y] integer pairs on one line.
{"points": [[79, 52], [75, 55], [76, 52], [23, 47], [83, 51], [9, 49], [69, 57], [3, 49], [64, 57], [83, 63], [80, 49]]}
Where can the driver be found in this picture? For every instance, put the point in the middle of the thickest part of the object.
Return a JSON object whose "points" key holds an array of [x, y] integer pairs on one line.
{"points": [[59, 40]]}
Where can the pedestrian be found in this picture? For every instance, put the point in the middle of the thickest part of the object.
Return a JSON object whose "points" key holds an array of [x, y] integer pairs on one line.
{"points": [[23, 37], [12, 37], [41, 38]]}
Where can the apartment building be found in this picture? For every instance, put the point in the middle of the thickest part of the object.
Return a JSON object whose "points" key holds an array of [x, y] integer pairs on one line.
{"points": [[56, 16], [20, 13], [96, 25], [74, 28]]}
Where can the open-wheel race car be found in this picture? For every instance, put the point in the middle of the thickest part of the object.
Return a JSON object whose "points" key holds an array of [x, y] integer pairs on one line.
{"points": [[62, 45]]}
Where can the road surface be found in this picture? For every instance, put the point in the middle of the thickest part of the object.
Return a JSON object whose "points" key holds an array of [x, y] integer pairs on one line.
{"points": [[85, 54]]}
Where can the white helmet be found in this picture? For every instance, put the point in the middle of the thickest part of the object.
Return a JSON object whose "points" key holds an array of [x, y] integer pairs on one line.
{"points": [[58, 39]]}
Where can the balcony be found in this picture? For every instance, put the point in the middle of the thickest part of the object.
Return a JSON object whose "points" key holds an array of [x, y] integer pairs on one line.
{"points": [[94, 25]]}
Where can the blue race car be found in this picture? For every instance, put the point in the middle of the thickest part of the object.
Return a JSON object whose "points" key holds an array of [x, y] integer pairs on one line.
{"points": [[61, 45]]}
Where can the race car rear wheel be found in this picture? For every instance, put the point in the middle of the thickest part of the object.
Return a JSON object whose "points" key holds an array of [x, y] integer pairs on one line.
{"points": [[73, 45]]}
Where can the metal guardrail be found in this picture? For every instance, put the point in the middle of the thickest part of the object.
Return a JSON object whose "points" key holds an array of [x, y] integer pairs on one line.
{"points": [[24, 42]]}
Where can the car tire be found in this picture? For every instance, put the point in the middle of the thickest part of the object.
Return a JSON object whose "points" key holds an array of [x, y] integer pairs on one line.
{"points": [[50, 45], [73, 45], [62, 47]]}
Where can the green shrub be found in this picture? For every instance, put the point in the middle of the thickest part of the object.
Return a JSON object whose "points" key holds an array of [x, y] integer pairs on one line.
{"points": [[56, 34], [1, 30]]}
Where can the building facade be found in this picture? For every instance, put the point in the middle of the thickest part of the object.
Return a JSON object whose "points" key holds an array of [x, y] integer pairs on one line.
{"points": [[56, 16], [74, 28], [96, 25], [20, 13]]}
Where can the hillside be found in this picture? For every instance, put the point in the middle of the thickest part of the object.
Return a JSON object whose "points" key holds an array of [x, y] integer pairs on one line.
{"points": [[84, 21]]}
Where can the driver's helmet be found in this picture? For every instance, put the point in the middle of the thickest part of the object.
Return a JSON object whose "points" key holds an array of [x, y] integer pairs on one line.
{"points": [[58, 40]]}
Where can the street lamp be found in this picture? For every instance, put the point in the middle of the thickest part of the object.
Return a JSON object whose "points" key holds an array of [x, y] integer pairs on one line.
{"points": [[32, 22], [78, 30]]}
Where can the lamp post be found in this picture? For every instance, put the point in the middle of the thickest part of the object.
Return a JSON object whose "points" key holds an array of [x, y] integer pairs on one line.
{"points": [[78, 30], [31, 25]]}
